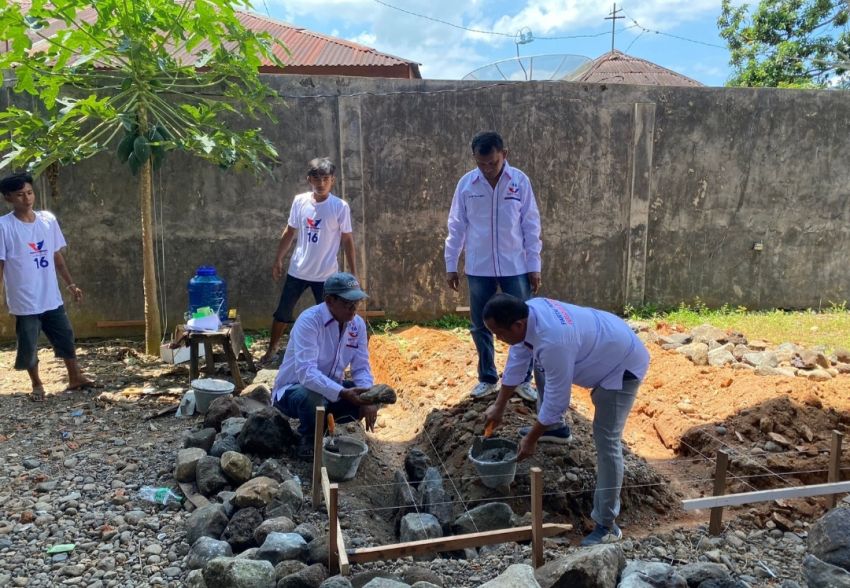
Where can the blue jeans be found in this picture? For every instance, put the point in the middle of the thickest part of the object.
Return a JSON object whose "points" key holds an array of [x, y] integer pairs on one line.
{"points": [[611, 409], [300, 403], [481, 289]]}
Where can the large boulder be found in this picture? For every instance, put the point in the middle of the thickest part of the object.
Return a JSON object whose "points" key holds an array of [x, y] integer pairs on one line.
{"points": [[236, 467], [280, 547], [266, 433], [259, 392], [829, 538], [418, 526], [231, 572], [336, 582], [257, 492], [209, 476], [240, 530], [486, 517], [404, 498], [414, 574], [233, 426], [221, 409], [310, 577], [696, 352], [222, 444], [598, 566], [820, 574], [186, 463], [643, 574], [433, 498], [516, 576], [317, 550], [415, 465], [207, 521], [288, 502], [276, 469], [698, 572], [275, 525], [206, 549]]}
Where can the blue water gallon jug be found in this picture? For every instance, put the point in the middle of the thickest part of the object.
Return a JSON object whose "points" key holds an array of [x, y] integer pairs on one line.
{"points": [[206, 288]]}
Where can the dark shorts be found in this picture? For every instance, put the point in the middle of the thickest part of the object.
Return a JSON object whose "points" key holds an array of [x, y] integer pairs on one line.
{"points": [[55, 325], [292, 290]]}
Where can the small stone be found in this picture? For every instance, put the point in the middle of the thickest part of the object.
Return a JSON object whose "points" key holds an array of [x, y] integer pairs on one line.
{"points": [[236, 467], [257, 492], [187, 463]]}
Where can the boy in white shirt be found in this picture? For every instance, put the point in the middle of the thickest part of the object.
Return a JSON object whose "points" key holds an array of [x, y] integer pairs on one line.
{"points": [[30, 244], [320, 222]]}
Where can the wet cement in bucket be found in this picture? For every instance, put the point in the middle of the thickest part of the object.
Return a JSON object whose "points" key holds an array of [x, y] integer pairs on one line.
{"points": [[496, 455]]}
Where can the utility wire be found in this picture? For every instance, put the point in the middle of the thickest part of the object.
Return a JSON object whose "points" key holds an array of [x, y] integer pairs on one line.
{"points": [[646, 30]]}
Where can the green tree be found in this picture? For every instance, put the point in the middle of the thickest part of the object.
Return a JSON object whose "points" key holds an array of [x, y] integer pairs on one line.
{"points": [[140, 78], [787, 43]]}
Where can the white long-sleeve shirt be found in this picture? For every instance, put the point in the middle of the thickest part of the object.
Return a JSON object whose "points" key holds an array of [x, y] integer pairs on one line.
{"points": [[574, 344], [500, 227], [317, 355]]}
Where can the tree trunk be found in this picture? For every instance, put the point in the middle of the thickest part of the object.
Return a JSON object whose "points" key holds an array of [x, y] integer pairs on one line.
{"points": [[153, 327]]}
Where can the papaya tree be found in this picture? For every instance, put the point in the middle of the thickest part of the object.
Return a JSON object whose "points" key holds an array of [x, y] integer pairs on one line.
{"points": [[139, 78]]}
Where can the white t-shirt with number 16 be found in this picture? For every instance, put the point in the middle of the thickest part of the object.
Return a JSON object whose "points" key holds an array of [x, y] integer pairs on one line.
{"points": [[320, 226], [26, 250]]}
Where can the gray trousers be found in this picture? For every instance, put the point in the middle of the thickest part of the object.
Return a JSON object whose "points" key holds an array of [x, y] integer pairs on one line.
{"points": [[612, 408]]}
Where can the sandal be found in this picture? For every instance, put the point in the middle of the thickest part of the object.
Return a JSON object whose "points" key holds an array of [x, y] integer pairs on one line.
{"points": [[38, 394], [82, 386]]}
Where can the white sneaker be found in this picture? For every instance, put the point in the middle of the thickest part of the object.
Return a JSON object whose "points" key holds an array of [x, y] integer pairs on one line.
{"points": [[527, 392], [483, 389]]}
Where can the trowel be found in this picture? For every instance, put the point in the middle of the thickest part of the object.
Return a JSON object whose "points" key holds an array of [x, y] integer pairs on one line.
{"points": [[331, 446], [478, 442]]}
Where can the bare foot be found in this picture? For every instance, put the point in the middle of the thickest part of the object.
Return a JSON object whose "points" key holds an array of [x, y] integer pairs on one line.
{"points": [[80, 383], [38, 394]]}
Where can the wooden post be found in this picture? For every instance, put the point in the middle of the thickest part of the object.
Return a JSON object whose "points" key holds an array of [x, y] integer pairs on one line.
{"points": [[318, 434], [333, 546], [835, 464], [536, 517], [716, 519]]}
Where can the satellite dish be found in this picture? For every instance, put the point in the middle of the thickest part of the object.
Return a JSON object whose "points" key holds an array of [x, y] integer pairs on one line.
{"points": [[557, 66]]}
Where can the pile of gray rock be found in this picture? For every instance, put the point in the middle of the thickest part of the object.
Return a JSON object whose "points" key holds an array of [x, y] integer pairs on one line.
{"points": [[709, 345]]}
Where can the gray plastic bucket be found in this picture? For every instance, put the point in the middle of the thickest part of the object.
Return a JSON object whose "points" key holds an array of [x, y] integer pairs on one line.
{"points": [[208, 389], [343, 466], [494, 473]]}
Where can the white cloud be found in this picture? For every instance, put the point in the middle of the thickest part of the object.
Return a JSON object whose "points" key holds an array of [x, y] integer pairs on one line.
{"points": [[448, 52]]}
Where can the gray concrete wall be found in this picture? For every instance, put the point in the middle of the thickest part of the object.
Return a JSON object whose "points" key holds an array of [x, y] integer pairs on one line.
{"points": [[647, 194]]}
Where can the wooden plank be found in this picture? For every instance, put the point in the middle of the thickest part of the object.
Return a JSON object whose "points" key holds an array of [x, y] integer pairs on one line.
{"points": [[536, 517], [317, 456], [119, 324], [170, 409], [333, 521], [766, 495], [344, 565], [716, 521], [455, 542], [189, 492], [834, 474]]}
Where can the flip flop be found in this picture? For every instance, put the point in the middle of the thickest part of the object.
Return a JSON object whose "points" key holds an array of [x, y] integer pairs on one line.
{"points": [[38, 394], [84, 386]]}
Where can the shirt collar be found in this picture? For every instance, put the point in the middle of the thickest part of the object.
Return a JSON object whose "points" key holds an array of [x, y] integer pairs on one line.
{"points": [[531, 328], [507, 170], [327, 317]]}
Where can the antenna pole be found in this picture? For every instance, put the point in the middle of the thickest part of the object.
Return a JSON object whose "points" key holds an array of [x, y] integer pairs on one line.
{"points": [[614, 18]]}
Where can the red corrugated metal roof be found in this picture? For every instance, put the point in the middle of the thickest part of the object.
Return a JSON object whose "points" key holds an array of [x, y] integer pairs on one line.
{"points": [[615, 67], [306, 48]]}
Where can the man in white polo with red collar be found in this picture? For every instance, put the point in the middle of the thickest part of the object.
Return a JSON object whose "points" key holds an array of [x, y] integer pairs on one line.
{"points": [[325, 340], [495, 221]]}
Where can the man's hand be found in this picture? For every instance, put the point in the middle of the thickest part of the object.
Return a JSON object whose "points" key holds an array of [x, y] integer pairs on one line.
{"points": [[76, 293], [277, 270], [452, 280], [352, 395], [535, 281], [370, 415], [493, 414], [527, 447]]}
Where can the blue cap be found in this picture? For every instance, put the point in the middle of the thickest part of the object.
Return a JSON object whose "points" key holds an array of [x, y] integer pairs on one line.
{"points": [[344, 285]]}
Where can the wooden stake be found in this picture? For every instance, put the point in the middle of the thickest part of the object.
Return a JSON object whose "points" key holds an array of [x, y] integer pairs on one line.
{"points": [[318, 434], [536, 517], [716, 520], [344, 566], [333, 547], [835, 464], [766, 495], [452, 543]]}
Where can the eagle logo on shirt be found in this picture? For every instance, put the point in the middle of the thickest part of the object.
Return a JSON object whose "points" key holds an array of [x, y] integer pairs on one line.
{"points": [[313, 223], [513, 188], [37, 247]]}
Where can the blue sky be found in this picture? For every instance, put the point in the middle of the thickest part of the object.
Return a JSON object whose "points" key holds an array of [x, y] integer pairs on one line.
{"points": [[446, 52]]}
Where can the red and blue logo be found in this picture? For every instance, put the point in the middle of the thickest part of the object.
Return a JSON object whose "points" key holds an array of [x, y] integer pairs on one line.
{"points": [[37, 247], [313, 223]]}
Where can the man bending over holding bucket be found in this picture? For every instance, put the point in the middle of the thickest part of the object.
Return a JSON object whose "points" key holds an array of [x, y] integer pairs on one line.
{"points": [[572, 344], [325, 340]]}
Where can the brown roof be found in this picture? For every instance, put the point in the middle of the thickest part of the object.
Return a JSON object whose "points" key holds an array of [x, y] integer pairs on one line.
{"points": [[615, 67], [309, 52]]}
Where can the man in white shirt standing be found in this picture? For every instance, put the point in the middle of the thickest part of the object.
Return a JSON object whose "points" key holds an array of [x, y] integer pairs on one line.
{"points": [[320, 222], [30, 244], [569, 345], [326, 339], [494, 219]]}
